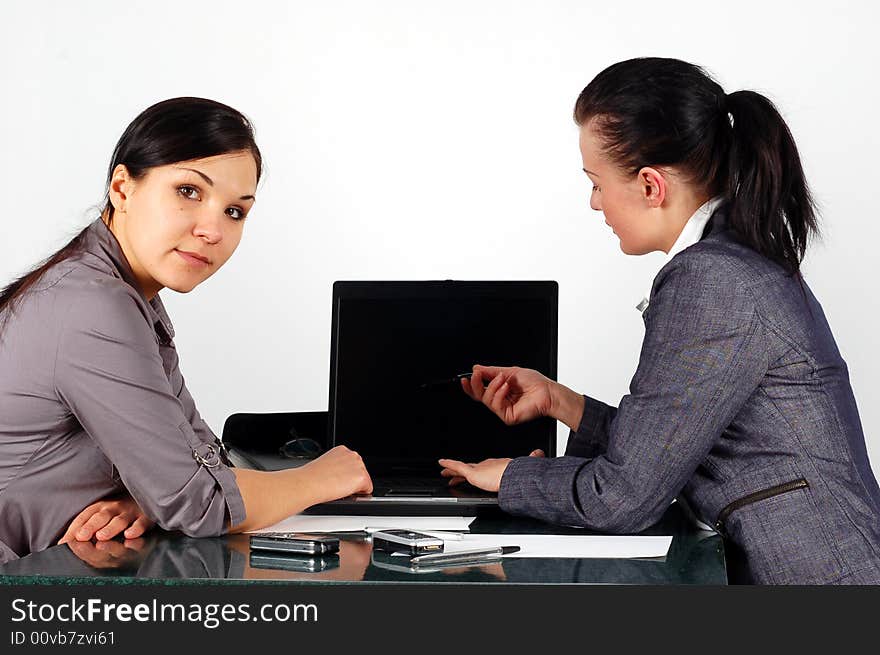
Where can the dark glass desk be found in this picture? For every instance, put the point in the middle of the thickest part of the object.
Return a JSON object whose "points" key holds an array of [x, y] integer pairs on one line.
{"points": [[170, 558]]}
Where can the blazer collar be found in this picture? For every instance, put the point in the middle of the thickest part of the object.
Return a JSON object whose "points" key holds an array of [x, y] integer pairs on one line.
{"points": [[698, 226]]}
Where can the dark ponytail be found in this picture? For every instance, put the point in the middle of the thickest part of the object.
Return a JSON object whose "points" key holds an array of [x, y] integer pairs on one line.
{"points": [[175, 130], [770, 204], [667, 112]]}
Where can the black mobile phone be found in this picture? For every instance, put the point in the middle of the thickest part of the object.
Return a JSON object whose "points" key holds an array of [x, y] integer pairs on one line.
{"points": [[295, 542], [406, 541]]}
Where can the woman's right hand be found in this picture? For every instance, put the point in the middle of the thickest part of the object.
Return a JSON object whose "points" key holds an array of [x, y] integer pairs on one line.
{"points": [[517, 395], [514, 394], [270, 496], [338, 473]]}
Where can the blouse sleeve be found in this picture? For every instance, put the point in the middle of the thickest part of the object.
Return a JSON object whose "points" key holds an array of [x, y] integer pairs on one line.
{"points": [[109, 372], [703, 355]]}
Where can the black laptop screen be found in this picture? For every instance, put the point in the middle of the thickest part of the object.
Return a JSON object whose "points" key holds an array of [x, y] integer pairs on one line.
{"points": [[394, 343]]}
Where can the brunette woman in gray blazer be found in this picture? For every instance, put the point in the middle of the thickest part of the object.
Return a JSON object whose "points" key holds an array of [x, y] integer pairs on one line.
{"points": [[98, 432], [741, 404]]}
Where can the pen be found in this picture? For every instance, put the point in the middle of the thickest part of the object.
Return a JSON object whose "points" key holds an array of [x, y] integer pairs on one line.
{"points": [[464, 555], [438, 383], [457, 378]]}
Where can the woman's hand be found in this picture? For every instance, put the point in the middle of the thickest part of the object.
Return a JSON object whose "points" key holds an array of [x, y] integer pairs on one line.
{"points": [[338, 473], [517, 395], [106, 518], [485, 475], [270, 496]]}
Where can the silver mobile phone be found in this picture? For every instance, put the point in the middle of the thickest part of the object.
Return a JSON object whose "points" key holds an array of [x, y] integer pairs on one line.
{"points": [[406, 541], [295, 542]]}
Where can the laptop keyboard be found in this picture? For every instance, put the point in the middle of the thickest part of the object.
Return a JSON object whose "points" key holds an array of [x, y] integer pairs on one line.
{"points": [[404, 484], [428, 487]]}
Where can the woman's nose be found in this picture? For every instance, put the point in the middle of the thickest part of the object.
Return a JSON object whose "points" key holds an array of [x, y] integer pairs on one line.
{"points": [[208, 228]]}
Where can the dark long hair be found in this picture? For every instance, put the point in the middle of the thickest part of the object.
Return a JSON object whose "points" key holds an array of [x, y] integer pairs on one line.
{"points": [[666, 112], [175, 130]]}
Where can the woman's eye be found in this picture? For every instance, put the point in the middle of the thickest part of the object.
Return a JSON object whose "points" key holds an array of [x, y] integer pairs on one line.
{"points": [[235, 212], [188, 191], [596, 188]]}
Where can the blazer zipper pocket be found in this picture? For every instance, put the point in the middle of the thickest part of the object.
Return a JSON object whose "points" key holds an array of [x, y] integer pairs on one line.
{"points": [[757, 496]]}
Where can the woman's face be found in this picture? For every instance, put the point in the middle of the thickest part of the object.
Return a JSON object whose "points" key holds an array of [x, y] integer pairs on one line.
{"points": [[622, 199], [179, 223]]}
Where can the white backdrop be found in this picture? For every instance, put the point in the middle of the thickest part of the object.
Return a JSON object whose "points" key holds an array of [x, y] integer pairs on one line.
{"points": [[432, 140]]}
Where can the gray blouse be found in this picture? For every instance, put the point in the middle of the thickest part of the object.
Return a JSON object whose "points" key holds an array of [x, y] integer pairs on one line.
{"points": [[92, 403]]}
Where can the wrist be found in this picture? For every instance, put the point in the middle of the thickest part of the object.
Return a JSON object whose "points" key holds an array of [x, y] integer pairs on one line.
{"points": [[566, 406], [306, 487]]}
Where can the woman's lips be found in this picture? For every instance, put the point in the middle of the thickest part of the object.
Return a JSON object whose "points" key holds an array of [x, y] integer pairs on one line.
{"points": [[193, 258]]}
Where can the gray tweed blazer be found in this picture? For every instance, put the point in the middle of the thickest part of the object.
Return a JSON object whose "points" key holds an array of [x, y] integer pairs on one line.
{"points": [[741, 405]]}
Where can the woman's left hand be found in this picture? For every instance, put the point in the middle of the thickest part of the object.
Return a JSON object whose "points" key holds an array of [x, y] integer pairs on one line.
{"points": [[106, 518], [485, 475]]}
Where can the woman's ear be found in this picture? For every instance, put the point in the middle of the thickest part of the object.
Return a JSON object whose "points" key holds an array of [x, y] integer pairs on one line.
{"points": [[121, 186], [653, 186]]}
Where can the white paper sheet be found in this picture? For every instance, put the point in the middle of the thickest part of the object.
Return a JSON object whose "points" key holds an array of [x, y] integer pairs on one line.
{"points": [[313, 523], [576, 546]]}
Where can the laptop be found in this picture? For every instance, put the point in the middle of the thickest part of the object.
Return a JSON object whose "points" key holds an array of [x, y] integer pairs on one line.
{"points": [[396, 349]]}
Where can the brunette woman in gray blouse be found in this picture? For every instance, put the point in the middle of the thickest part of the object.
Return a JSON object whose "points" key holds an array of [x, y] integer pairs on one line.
{"points": [[98, 433], [741, 406]]}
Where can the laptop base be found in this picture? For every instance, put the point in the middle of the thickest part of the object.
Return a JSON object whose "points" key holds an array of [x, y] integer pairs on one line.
{"points": [[397, 507]]}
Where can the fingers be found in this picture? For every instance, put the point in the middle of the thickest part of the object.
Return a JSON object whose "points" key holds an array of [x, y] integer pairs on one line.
{"points": [[367, 487], [73, 529], [488, 372], [452, 464], [489, 396], [492, 389], [96, 516], [500, 400], [362, 476], [365, 482], [79, 521], [97, 521], [537, 453], [113, 528], [452, 467], [105, 523], [455, 478], [140, 526], [342, 471], [481, 378], [466, 387], [476, 382]]}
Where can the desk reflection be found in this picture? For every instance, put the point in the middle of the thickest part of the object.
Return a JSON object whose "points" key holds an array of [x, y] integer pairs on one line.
{"points": [[693, 558]]}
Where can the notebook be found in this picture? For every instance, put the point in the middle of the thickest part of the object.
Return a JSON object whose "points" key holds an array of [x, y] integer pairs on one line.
{"points": [[396, 349]]}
